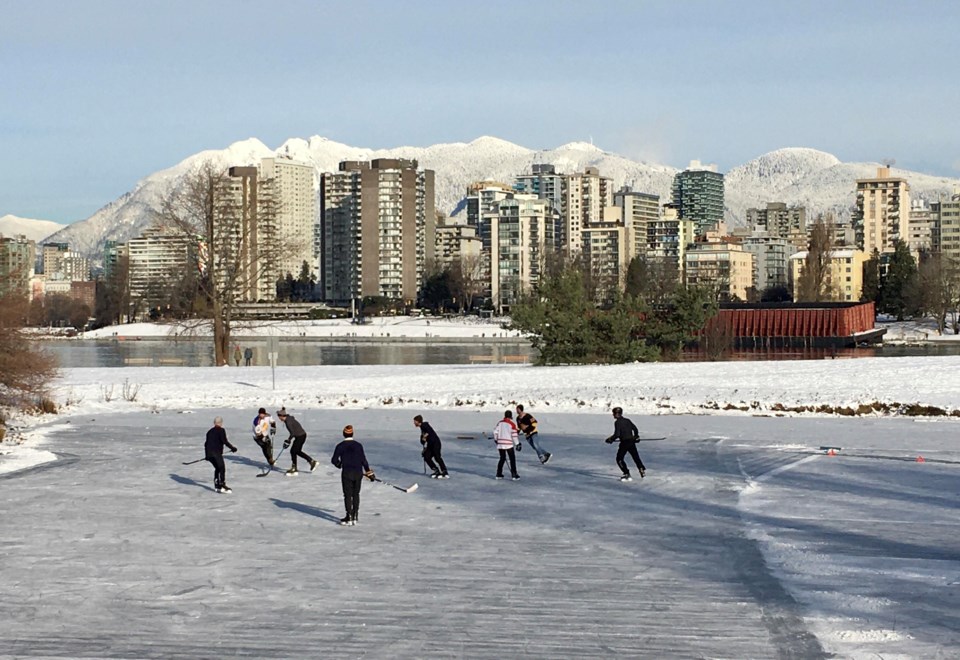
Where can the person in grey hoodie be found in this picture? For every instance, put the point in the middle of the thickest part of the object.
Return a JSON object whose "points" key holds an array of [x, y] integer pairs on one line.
{"points": [[298, 437]]}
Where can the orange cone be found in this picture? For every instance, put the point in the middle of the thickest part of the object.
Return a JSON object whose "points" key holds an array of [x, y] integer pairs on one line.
{"points": [[921, 459], [832, 452]]}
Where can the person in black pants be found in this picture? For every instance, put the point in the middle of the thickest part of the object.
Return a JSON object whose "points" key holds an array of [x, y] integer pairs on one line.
{"points": [[431, 448], [213, 450], [298, 436], [626, 432], [349, 457]]}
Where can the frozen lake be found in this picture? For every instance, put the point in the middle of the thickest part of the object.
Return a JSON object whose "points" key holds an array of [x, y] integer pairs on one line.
{"points": [[743, 541]]}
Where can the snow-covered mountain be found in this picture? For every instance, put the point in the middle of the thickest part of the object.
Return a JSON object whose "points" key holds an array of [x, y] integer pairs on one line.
{"points": [[809, 177], [35, 230]]}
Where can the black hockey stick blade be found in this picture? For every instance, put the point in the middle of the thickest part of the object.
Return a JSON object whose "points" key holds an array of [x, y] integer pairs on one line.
{"points": [[192, 462]]}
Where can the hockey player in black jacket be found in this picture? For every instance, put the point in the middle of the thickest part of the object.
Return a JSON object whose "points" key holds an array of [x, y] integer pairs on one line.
{"points": [[213, 450], [431, 448], [297, 436], [349, 457], [626, 432]]}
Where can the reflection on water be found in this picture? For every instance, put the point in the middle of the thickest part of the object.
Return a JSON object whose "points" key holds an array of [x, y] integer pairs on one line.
{"points": [[952, 348], [108, 353]]}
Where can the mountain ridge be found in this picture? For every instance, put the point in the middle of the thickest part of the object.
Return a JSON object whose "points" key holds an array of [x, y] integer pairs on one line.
{"points": [[794, 175]]}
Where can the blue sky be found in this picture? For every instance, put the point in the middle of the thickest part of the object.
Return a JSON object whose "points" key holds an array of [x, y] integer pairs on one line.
{"points": [[95, 95]]}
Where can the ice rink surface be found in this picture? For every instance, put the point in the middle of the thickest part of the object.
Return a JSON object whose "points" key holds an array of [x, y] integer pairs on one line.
{"points": [[744, 541]]}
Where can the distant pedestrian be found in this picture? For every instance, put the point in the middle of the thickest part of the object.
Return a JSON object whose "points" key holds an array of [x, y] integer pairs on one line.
{"points": [[431, 448], [264, 428], [298, 437], [236, 354], [527, 424], [348, 456], [505, 435], [213, 450], [247, 356], [626, 432]]}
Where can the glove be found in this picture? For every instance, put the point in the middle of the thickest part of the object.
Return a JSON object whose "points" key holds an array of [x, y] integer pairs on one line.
{"points": [[609, 441], [519, 446], [233, 450], [286, 443], [370, 475]]}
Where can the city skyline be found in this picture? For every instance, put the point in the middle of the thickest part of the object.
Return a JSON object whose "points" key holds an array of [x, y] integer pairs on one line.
{"points": [[109, 92]]}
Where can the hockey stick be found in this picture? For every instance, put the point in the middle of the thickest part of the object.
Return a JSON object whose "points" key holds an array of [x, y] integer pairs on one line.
{"points": [[271, 468], [405, 490], [638, 440], [192, 462]]}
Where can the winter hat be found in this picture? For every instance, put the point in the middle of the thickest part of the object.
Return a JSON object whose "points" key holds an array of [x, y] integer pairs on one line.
{"points": [[348, 431], [282, 412]]}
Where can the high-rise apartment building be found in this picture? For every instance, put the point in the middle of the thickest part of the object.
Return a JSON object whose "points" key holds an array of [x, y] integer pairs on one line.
{"points": [[639, 213], [723, 265], [457, 242], [585, 200], [295, 197], [882, 211], [919, 234], [945, 232], [157, 260], [52, 255], [17, 258], [770, 260], [544, 182], [781, 221], [669, 238], [606, 253], [523, 236], [698, 195], [378, 227], [244, 251]]}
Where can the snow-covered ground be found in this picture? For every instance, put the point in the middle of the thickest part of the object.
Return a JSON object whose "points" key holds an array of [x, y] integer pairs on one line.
{"points": [[744, 540], [382, 327]]}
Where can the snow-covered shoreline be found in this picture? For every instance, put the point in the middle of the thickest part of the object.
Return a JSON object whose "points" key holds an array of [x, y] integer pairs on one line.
{"points": [[753, 388]]}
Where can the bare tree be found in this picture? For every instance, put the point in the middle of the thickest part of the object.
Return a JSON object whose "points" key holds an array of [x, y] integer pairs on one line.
{"points": [[471, 281], [25, 371], [813, 284], [234, 219], [937, 288]]}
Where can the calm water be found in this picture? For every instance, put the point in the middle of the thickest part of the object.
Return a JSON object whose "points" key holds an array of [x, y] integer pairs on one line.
{"points": [[109, 353]]}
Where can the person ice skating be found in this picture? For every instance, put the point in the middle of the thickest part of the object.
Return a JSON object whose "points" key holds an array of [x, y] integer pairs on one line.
{"points": [[247, 356], [297, 436], [348, 456], [431, 448], [626, 432], [527, 424], [236, 354], [505, 435], [264, 428], [213, 450]]}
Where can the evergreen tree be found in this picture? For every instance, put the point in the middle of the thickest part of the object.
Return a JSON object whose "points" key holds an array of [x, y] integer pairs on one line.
{"points": [[871, 278], [679, 323], [896, 283]]}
